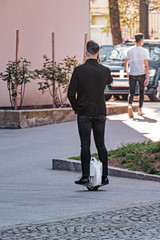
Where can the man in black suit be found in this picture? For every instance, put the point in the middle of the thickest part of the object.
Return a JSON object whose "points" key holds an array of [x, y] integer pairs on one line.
{"points": [[86, 95]]}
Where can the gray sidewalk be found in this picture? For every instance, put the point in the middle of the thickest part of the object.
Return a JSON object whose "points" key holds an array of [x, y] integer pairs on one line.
{"points": [[31, 193]]}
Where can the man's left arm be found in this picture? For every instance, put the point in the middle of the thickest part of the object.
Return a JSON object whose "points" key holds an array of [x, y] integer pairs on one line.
{"points": [[146, 66], [110, 79]]}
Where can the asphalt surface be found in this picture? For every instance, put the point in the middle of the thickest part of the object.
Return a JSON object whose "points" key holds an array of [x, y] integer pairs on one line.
{"points": [[38, 203]]}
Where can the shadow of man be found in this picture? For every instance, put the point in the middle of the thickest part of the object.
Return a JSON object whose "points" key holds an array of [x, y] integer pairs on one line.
{"points": [[145, 119]]}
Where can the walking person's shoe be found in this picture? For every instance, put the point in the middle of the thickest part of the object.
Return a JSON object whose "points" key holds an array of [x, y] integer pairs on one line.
{"points": [[140, 113], [82, 181], [130, 112], [105, 180]]}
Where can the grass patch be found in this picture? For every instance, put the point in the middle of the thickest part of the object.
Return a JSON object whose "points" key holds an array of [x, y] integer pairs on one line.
{"points": [[144, 157]]}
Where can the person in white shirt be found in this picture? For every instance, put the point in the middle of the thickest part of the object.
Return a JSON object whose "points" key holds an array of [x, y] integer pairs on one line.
{"points": [[137, 57]]}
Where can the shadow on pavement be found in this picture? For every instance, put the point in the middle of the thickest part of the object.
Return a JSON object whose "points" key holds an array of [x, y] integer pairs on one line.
{"points": [[118, 133], [145, 119]]}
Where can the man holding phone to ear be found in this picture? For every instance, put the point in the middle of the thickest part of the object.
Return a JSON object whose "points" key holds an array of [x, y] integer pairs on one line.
{"points": [[86, 95]]}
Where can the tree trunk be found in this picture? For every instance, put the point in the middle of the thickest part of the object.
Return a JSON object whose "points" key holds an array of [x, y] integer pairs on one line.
{"points": [[115, 22], [143, 14], [85, 46]]}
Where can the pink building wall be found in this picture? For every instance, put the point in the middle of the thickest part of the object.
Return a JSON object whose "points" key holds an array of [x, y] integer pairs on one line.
{"points": [[36, 20]]}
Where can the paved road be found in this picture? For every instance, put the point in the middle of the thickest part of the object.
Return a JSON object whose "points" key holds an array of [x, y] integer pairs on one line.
{"points": [[30, 193]]}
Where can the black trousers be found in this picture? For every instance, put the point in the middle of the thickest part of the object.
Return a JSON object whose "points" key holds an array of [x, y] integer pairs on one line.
{"points": [[132, 84], [85, 125]]}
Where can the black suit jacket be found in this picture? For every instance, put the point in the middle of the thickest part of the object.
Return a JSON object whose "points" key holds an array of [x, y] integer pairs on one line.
{"points": [[86, 88]]}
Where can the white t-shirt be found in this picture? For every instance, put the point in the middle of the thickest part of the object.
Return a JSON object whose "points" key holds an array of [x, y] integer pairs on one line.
{"points": [[137, 55]]}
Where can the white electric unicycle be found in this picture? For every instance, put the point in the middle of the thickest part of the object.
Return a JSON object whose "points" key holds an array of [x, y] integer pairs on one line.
{"points": [[95, 179]]}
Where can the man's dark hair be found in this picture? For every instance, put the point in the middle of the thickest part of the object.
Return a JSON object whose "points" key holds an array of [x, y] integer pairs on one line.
{"points": [[138, 37], [92, 47]]}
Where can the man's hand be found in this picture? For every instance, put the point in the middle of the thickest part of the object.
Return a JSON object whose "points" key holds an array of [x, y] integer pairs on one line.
{"points": [[99, 60], [146, 82]]}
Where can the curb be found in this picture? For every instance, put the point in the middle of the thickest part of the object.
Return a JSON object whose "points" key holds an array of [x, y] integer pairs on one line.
{"points": [[119, 109], [12, 119], [75, 166]]}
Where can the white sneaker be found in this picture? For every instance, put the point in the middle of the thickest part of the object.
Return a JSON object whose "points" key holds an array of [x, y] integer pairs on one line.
{"points": [[130, 112], [140, 113]]}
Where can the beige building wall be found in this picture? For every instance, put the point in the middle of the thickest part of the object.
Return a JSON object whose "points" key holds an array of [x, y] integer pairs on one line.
{"points": [[36, 20]]}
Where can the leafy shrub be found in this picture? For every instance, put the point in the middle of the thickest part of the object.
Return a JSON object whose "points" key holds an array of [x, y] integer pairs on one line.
{"points": [[17, 74], [56, 79]]}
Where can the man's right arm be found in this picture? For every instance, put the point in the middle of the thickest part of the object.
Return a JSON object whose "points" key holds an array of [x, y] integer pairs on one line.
{"points": [[126, 66], [72, 90]]}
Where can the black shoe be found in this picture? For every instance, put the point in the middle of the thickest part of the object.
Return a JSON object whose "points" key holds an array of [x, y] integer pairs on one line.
{"points": [[105, 180], [82, 181]]}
